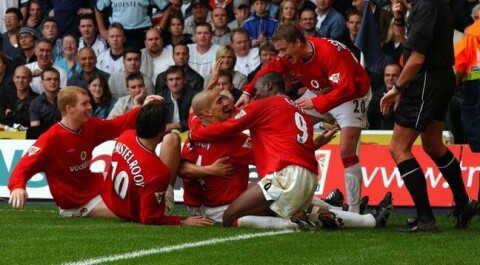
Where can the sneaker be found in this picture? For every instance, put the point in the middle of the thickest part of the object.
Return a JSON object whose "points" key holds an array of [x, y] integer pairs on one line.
{"points": [[383, 211], [329, 220], [414, 225], [464, 217], [363, 205], [334, 198], [304, 224]]}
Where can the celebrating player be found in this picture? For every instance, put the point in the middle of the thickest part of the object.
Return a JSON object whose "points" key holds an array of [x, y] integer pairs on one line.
{"points": [[64, 153], [337, 84], [138, 181]]}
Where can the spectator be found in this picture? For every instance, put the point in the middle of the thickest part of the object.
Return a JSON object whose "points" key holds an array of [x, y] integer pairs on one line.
{"points": [[131, 64], [34, 18], [178, 99], [260, 26], [221, 81], [308, 21], [50, 32], [266, 53], [43, 51], [241, 10], [27, 37], [100, 96], [393, 46], [66, 13], [111, 61], [226, 5], [247, 58], [330, 23], [200, 14], [155, 59], [306, 4], [288, 12], [221, 34], [180, 57], [202, 53], [15, 103], [133, 16], [43, 109], [68, 62], [226, 59], [87, 61], [175, 34], [354, 20], [13, 22], [89, 37], [377, 121], [136, 92], [382, 17], [6, 78]]}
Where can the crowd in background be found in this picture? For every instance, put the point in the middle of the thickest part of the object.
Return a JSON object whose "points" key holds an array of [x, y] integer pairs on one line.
{"points": [[119, 50]]}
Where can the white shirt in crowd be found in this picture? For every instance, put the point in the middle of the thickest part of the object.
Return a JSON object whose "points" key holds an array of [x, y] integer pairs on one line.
{"points": [[202, 63]]}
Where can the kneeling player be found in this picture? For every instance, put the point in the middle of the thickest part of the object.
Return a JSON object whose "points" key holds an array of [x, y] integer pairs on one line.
{"points": [[138, 180]]}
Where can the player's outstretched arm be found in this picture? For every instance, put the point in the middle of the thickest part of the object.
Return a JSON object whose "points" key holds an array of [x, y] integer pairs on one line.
{"points": [[196, 221], [18, 197], [242, 101]]}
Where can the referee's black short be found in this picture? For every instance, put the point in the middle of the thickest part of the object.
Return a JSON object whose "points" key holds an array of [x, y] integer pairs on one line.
{"points": [[426, 97]]}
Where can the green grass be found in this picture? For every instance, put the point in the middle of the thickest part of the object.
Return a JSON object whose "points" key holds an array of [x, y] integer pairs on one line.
{"points": [[37, 235]]}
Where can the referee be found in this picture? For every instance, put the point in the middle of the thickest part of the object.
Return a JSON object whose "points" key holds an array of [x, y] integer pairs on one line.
{"points": [[420, 98]]}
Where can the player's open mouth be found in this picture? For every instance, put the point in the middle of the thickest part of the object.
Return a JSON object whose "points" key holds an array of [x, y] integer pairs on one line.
{"points": [[228, 111]]}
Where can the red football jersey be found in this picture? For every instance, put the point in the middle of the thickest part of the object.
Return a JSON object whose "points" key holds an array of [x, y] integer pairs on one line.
{"points": [[64, 156], [281, 132], [215, 190], [136, 185], [332, 73]]}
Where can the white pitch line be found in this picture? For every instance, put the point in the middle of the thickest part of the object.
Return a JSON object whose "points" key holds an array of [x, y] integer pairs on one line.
{"points": [[146, 252]]}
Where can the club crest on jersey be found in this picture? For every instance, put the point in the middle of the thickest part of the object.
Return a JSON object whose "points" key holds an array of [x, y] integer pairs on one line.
{"points": [[240, 114], [248, 143], [335, 78], [159, 196], [33, 150]]}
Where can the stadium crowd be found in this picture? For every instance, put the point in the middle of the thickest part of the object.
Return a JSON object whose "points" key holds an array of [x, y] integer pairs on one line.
{"points": [[121, 52]]}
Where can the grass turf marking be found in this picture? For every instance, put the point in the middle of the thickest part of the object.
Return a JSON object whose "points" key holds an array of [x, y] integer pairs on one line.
{"points": [[146, 252]]}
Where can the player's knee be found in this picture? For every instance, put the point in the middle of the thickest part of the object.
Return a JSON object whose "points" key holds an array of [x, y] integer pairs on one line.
{"points": [[172, 139]]}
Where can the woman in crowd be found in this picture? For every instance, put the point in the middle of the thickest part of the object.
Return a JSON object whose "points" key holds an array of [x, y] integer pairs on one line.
{"points": [[175, 35], [100, 95], [68, 62], [226, 56], [288, 12]]}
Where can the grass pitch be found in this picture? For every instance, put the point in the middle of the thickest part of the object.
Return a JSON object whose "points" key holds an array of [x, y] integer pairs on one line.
{"points": [[37, 235]]}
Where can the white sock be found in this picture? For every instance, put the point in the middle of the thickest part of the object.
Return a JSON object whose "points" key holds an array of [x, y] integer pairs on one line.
{"points": [[355, 220], [267, 222], [353, 184], [169, 200], [322, 204]]}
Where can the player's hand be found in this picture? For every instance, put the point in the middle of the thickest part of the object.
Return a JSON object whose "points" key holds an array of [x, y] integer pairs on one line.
{"points": [[305, 103], [324, 137], [18, 197], [242, 101], [197, 221], [153, 98], [221, 169], [389, 100]]}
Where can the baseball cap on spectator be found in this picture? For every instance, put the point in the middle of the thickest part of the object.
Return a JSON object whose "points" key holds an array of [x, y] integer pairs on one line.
{"points": [[28, 30], [239, 3], [200, 2]]}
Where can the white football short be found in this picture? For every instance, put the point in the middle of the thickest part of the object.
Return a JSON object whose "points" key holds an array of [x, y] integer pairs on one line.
{"points": [[349, 114], [81, 211], [291, 189], [214, 213]]}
